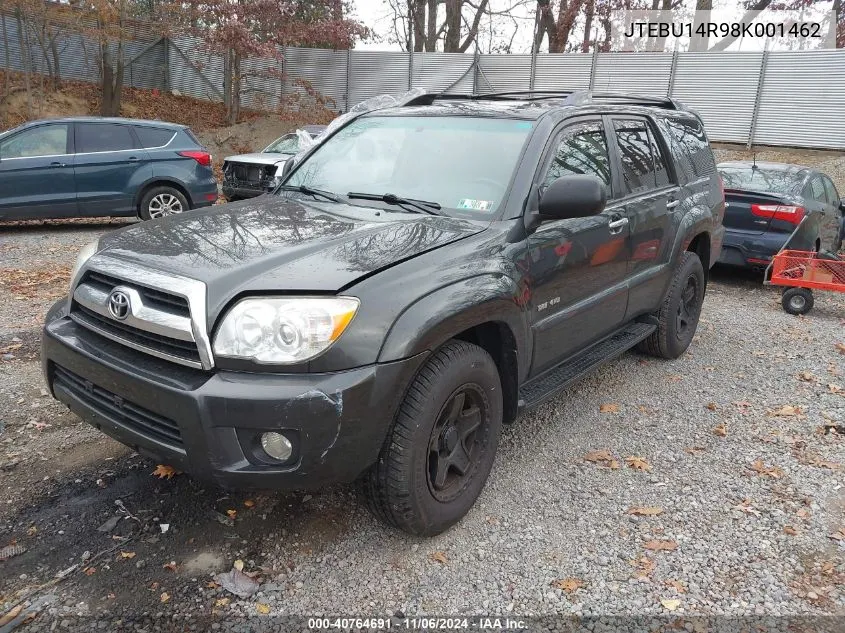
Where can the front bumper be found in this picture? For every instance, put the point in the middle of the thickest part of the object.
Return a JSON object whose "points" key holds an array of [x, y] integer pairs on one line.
{"points": [[208, 424], [244, 190]]}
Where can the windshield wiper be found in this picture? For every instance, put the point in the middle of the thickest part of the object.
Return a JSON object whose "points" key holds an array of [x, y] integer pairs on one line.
{"points": [[310, 191], [422, 206]]}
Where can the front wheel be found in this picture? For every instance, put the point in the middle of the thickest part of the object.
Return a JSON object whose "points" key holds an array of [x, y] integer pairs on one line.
{"points": [[162, 201], [797, 300], [441, 447], [681, 309]]}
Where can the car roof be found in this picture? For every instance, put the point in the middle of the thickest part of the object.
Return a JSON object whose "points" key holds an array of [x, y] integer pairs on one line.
{"points": [[101, 119]]}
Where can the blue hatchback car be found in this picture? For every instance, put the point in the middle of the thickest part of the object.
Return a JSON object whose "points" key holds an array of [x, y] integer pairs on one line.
{"points": [[88, 167]]}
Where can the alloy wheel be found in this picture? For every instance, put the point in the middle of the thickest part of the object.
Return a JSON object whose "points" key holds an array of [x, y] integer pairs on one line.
{"points": [[164, 204], [688, 307]]}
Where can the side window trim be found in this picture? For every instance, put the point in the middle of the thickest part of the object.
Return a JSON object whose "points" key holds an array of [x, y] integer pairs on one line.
{"points": [[68, 142]]}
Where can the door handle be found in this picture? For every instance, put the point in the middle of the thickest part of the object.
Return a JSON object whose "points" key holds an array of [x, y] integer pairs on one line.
{"points": [[617, 225], [672, 204], [133, 159], [56, 163]]}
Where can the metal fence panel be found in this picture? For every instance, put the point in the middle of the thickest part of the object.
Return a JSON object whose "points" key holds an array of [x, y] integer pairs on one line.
{"points": [[374, 73], [643, 73], [722, 88], [501, 73], [803, 100], [564, 71], [194, 71], [324, 70], [439, 71]]}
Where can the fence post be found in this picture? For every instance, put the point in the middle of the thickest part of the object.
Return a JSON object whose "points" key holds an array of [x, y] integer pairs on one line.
{"points": [[672, 70], [475, 72], [410, 70], [348, 76], [166, 64], [593, 66], [764, 60], [533, 70]]}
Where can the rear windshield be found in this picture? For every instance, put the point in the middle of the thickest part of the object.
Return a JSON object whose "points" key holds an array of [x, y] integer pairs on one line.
{"points": [[760, 179], [691, 146]]}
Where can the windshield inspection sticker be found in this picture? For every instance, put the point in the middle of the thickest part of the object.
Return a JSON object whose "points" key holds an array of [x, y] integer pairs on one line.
{"points": [[478, 205]]}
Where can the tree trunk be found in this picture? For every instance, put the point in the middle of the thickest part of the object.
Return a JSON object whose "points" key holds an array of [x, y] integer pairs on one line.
{"points": [[452, 39], [589, 10], [8, 65], [57, 71], [25, 60], [235, 110], [697, 42]]}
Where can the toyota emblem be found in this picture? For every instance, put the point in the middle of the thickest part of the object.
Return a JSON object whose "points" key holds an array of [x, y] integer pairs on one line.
{"points": [[119, 306]]}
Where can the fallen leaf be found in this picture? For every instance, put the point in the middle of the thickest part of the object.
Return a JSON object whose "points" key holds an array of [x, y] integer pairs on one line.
{"points": [[221, 602], [440, 557], [832, 388], [694, 450], [785, 411], [172, 566], [677, 585], [807, 376], [609, 408], [263, 609], [603, 458], [670, 604], [238, 564], [661, 546], [840, 347], [839, 535], [803, 513], [745, 506], [721, 430], [89, 571], [211, 584], [236, 582], [742, 404], [645, 567], [645, 512], [788, 529], [164, 471], [249, 503], [232, 513], [637, 463], [165, 597], [768, 471], [711, 406], [568, 584], [32, 531], [127, 554]]}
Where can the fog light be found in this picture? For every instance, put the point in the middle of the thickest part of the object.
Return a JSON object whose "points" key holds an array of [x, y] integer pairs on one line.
{"points": [[276, 446]]}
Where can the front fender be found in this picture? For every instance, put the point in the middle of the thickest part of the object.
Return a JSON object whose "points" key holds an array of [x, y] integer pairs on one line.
{"points": [[448, 311]]}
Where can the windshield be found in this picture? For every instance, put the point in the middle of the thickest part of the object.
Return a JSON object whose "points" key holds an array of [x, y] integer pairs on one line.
{"points": [[288, 144], [461, 163], [761, 179]]}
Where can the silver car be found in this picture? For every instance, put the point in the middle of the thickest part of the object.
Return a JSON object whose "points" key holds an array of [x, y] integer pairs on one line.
{"points": [[250, 175]]}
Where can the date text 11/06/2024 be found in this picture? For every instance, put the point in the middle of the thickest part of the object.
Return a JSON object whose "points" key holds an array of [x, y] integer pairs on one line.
{"points": [[418, 624]]}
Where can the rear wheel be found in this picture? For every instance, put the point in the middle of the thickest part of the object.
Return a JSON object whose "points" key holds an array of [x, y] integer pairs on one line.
{"points": [[681, 309], [797, 300], [161, 201], [442, 445]]}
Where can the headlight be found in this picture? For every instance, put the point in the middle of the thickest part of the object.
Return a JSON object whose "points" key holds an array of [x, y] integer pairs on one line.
{"points": [[283, 330], [84, 255]]}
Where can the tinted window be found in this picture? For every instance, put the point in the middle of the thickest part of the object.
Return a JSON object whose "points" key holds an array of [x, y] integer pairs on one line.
{"points": [[153, 136], [830, 190], [581, 150], [103, 137], [661, 169], [691, 146], [635, 156], [816, 189], [761, 178], [45, 140]]}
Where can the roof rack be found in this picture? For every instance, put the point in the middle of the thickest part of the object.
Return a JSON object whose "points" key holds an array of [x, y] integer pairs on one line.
{"points": [[567, 97]]}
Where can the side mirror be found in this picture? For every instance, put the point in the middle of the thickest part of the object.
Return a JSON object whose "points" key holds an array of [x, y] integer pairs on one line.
{"points": [[289, 165], [574, 196], [842, 205]]}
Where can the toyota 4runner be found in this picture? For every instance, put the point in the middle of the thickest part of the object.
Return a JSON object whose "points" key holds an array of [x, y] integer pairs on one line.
{"points": [[421, 277]]}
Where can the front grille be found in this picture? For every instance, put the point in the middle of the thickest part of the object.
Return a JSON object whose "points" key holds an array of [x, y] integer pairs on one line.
{"points": [[164, 345], [153, 298], [246, 174], [115, 408]]}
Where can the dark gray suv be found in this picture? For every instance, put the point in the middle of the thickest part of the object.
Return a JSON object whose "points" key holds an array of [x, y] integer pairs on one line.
{"points": [[88, 167]]}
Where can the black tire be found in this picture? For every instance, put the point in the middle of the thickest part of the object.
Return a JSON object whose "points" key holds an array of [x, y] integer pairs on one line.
{"points": [[681, 309], [154, 203], [404, 487], [797, 300]]}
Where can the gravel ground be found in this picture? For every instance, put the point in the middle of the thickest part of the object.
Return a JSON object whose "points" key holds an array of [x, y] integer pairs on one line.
{"points": [[718, 493]]}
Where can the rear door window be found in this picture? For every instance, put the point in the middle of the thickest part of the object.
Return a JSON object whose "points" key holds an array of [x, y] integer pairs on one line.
{"points": [[581, 149], [152, 137], [816, 189], [44, 140], [638, 168], [103, 137], [830, 191], [691, 146]]}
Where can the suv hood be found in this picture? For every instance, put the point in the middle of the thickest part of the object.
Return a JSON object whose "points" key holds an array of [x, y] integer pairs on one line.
{"points": [[260, 158], [273, 243]]}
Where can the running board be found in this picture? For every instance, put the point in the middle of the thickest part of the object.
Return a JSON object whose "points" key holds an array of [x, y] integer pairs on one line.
{"points": [[546, 385]]}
